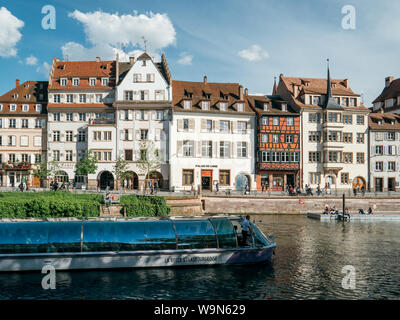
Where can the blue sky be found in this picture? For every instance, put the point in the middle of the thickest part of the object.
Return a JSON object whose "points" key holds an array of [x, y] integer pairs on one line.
{"points": [[248, 42]]}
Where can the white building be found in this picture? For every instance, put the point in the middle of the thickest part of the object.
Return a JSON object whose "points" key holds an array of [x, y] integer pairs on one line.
{"points": [[384, 158], [211, 137], [334, 131], [143, 105], [81, 119]]}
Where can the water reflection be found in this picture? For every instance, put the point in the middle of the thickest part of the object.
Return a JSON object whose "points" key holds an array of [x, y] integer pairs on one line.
{"points": [[308, 264]]}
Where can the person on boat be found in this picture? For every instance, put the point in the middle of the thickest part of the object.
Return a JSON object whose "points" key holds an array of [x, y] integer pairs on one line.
{"points": [[246, 229]]}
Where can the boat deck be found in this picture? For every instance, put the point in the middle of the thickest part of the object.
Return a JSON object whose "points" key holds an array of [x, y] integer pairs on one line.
{"points": [[381, 216]]}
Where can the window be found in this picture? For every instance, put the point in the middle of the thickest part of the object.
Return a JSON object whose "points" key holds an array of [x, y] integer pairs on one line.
{"points": [[275, 156], [290, 121], [137, 77], [314, 117], [56, 155], [347, 157], [97, 155], [188, 148], [360, 137], [56, 136], [391, 166], [347, 137], [379, 166], [275, 121], [379, 150], [347, 119], [264, 138], [242, 126], [129, 155], [82, 117], [63, 81], [187, 177], [314, 178], [68, 155], [284, 107], [104, 81], [69, 116], [68, 136], [107, 156], [206, 149], [242, 149], [314, 156], [333, 117], [265, 156], [205, 105], [24, 141], [360, 157], [265, 106], [24, 123], [81, 136], [159, 115], [360, 119], [144, 95], [186, 125], [187, 104], [107, 135], [128, 95], [391, 136], [160, 95], [344, 178], [38, 123], [392, 150], [11, 157], [75, 81], [314, 136], [99, 98], [316, 100], [224, 177], [240, 107], [70, 98], [57, 98], [222, 106], [150, 77], [82, 98], [209, 125], [57, 116], [265, 121], [12, 123], [333, 156], [224, 126], [92, 81], [224, 150], [275, 138], [38, 158], [25, 108], [143, 134], [289, 138]]}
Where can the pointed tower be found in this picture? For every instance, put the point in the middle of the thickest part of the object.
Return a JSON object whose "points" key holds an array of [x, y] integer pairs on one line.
{"points": [[275, 89], [330, 102]]}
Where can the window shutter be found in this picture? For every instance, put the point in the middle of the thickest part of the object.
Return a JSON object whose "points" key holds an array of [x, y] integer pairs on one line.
{"points": [[153, 115], [137, 134], [5, 123], [137, 115], [121, 135], [50, 137], [121, 115], [234, 126], [61, 98], [372, 151], [146, 115], [217, 127], [179, 148], [249, 125], [233, 149], [130, 134], [180, 124], [43, 123], [373, 166], [248, 150], [17, 123], [216, 149], [191, 125], [13, 140], [130, 116], [198, 149], [384, 166], [203, 124]]}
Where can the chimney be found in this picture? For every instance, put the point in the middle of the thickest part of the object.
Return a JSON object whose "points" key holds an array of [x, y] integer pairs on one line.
{"points": [[131, 60], [346, 83], [205, 79], [240, 92], [17, 83], [295, 90], [97, 59], [246, 92], [388, 81]]}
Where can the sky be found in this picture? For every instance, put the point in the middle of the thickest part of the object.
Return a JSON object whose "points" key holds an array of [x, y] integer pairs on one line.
{"points": [[245, 41]]}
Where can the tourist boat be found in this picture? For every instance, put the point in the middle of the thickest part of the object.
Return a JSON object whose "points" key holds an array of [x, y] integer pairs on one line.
{"points": [[130, 243]]}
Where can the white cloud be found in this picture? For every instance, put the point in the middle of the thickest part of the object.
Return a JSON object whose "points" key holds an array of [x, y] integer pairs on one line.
{"points": [[108, 33], [44, 69], [185, 59], [9, 33], [254, 53], [31, 60]]}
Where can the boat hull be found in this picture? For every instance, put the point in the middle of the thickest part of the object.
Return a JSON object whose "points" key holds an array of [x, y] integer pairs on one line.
{"points": [[135, 259]]}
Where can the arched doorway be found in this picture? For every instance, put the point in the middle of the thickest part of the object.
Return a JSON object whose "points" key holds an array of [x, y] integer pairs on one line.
{"points": [[242, 180], [61, 176], [155, 177], [131, 181], [106, 179], [359, 182]]}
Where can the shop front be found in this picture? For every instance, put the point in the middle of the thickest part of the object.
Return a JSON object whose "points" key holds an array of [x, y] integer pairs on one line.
{"points": [[276, 180]]}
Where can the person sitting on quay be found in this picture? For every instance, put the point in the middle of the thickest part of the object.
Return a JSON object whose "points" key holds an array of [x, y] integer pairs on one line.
{"points": [[308, 190], [291, 191], [333, 210], [319, 191], [326, 210], [298, 191], [370, 210]]}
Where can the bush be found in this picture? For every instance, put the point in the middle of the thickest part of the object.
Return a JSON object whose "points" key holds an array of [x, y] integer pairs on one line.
{"points": [[147, 206]]}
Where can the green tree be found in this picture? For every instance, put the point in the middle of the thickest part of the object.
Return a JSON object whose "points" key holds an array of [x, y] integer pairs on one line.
{"points": [[87, 165], [46, 170], [149, 158], [121, 170]]}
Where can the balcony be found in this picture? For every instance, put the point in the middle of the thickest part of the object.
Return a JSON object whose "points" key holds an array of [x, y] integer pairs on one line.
{"points": [[16, 166], [101, 121]]}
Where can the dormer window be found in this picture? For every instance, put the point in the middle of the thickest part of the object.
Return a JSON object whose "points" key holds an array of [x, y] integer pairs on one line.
{"points": [[28, 96], [60, 67], [15, 96], [63, 81], [284, 107], [26, 85], [205, 105], [75, 81], [316, 100], [92, 81], [13, 107], [103, 66], [222, 106], [143, 63], [25, 108], [38, 108], [380, 122], [104, 81], [187, 104], [240, 107], [1, 107]]}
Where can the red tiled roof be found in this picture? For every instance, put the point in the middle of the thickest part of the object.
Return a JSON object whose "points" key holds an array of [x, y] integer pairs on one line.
{"points": [[274, 105], [386, 119], [392, 91]]}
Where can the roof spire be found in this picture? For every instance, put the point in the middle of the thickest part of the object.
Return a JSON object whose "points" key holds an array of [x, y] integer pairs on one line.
{"points": [[330, 102], [328, 89], [275, 89]]}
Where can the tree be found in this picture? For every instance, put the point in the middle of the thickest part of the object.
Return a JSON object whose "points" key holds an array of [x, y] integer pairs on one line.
{"points": [[46, 170], [121, 170], [87, 165], [149, 158]]}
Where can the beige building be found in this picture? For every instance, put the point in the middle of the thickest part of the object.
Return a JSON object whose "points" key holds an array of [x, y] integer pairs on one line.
{"points": [[22, 133]]}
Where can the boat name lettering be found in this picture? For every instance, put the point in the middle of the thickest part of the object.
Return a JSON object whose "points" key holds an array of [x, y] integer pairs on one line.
{"points": [[190, 259]]}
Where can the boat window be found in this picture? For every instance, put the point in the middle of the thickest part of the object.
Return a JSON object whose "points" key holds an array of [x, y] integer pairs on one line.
{"points": [[225, 232], [195, 234], [64, 237], [259, 238], [99, 236], [147, 235]]}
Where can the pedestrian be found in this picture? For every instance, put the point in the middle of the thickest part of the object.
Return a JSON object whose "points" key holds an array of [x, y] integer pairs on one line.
{"points": [[217, 186], [262, 187], [363, 190], [355, 190], [319, 192], [246, 229]]}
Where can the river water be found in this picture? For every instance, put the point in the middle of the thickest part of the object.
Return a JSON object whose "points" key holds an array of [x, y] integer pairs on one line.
{"points": [[308, 264]]}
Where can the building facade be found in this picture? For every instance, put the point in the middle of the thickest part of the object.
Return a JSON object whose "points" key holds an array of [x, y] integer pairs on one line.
{"points": [[389, 99], [334, 131], [22, 133], [211, 137], [277, 143], [384, 158], [81, 118], [143, 105]]}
